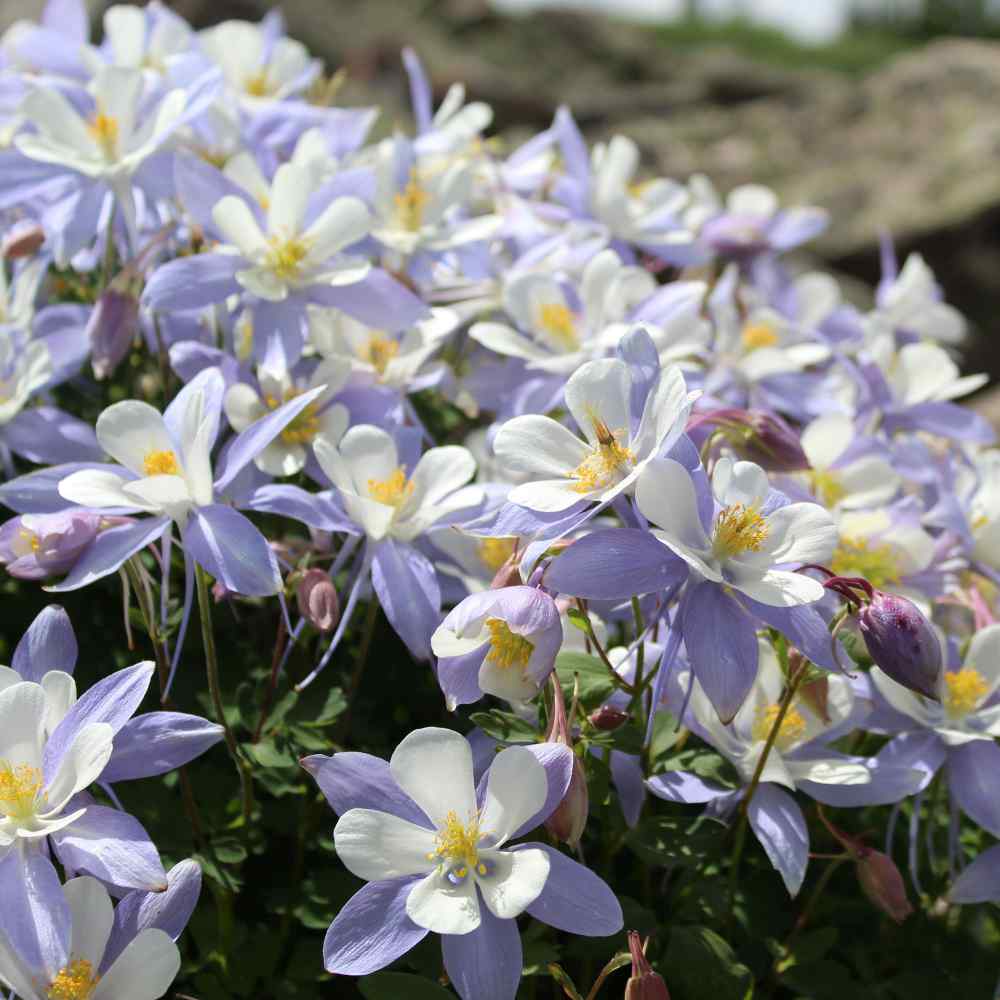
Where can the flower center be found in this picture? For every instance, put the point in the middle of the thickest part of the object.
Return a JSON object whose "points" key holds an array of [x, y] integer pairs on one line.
{"points": [[285, 256], [557, 321], [392, 491], [827, 487], [75, 982], [494, 552], [104, 131], [30, 539], [303, 427], [457, 847], [878, 564], [410, 204], [739, 528], [160, 463], [607, 460], [507, 648], [791, 730], [756, 335], [963, 691], [20, 789], [257, 85], [379, 351]]}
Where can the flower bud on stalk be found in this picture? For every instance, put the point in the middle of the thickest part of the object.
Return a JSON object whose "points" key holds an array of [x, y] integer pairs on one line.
{"points": [[608, 718], [757, 436], [902, 642], [568, 820], [24, 239], [110, 330], [882, 883], [644, 983], [317, 600]]}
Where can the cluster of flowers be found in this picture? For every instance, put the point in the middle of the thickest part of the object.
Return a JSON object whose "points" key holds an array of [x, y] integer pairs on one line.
{"points": [[667, 436]]}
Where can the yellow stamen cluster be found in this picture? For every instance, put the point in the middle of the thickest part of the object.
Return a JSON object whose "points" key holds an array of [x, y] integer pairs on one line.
{"points": [[30, 539], [302, 428], [75, 982], [392, 491], [285, 257], [827, 487], [379, 351], [160, 463], [257, 85], [20, 789], [739, 528], [494, 552], [605, 463], [790, 732], [756, 335], [964, 689], [878, 564], [557, 321], [507, 648], [458, 843], [410, 204], [104, 131]]}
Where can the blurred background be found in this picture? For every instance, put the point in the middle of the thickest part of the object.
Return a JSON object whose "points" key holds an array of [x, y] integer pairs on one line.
{"points": [[882, 111]]}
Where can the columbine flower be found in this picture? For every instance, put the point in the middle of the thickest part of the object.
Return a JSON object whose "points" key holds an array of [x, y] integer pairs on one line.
{"points": [[611, 457], [439, 860], [34, 546], [910, 303], [83, 956], [500, 642]]}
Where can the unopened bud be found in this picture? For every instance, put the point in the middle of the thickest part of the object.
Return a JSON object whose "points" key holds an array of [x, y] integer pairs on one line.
{"points": [[773, 444], [318, 601], [607, 717], [883, 884], [508, 575], [902, 642], [569, 819], [644, 983], [110, 330], [24, 239]]}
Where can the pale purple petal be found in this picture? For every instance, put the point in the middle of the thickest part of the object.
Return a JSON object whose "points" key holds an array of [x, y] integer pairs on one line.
{"points": [[38, 492], [980, 882], [781, 829], [626, 773], [683, 786], [158, 742], [408, 591], [486, 963], [557, 759], [193, 282], [49, 644], [379, 301], [48, 436], [974, 780], [223, 542]]}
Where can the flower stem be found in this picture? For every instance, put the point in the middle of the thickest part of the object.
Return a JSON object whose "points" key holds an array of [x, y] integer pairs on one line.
{"points": [[618, 680], [215, 692]]}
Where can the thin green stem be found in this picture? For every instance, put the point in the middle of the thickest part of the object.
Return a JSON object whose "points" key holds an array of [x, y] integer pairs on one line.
{"points": [[618, 680], [215, 692]]}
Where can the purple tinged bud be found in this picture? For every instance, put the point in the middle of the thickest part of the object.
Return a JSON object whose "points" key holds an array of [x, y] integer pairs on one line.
{"points": [[569, 819], [883, 884], [35, 546], [24, 239], [318, 601], [111, 329], [774, 444], [644, 983], [607, 718], [902, 642]]}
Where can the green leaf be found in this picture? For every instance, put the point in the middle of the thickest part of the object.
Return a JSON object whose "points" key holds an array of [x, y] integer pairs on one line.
{"points": [[504, 726], [666, 732], [579, 620], [395, 985], [703, 965], [268, 754], [596, 683], [674, 840]]}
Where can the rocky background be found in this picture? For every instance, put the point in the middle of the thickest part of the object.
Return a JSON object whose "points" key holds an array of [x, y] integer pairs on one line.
{"points": [[912, 147]]}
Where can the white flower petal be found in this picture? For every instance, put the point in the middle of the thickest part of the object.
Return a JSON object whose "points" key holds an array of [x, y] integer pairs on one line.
{"points": [[287, 207], [92, 915], [443, 908], [538, 446], [517, 880], [900, 698], [666, 496], [243, 406], [143, 971], [81, 765], [434, 767], [60, 697], [98, 488], [376, 845], [341, 224], [238, 225], [515, 791], [22, 722], [129, 431], [598, 393]]}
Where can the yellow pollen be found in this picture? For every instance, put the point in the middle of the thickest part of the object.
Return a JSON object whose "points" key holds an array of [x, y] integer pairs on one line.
{"points": [[75, 982], [257, 85], [827, 487], [20, 789], [758, 335], [494, 552], [791, 730], [606, 461], [557, 321], [965, 688], [104, 131], [878, 564], [379, 351], [459, 843], [739, 529], [31, 539], [302, 428], [160, 463], [285, 257], [410, 204], [392, 491], [507, 648]]}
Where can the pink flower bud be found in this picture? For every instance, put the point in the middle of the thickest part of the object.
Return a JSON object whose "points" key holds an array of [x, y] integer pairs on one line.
{"points": [[318, 601], [24, 239], [644, 983], [607, 717], [902, 642], [774, 445], [569, 819], [883, 884], [110, 329]]}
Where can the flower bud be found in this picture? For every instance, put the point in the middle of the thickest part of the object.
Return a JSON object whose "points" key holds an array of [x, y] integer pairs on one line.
{"points": [[773, 445], [110, 329], [23, 239], [644, 983], [607, 718], [569, 819], [883, 884], [35, 546], [902, 642], [318, 601]]}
